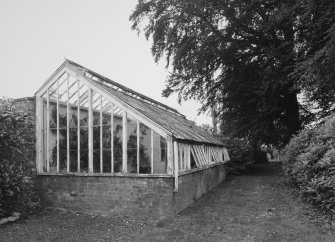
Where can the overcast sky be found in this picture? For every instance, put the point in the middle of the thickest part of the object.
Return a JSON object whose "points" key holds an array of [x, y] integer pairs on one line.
{"points": [[36, 36]]}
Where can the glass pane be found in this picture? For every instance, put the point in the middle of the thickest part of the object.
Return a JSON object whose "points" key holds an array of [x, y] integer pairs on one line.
{"points": [[96, 161], [44, 150], [145, 149], [193, 164], [106, 137], [73, 149], [73, 116], [117, 143], [53, 115], [73, 138], [96, 118], [163, 149], [62, 116], [96, 138], [131, 145], [83, 117], [53, 150], [84, 160], [62, 150], [73, 161], [159, 167], [106, 163], [84, 149], [62, 161], [106, 118]]}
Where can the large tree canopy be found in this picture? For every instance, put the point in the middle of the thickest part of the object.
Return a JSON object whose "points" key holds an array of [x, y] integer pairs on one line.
{"points": [[247, 60]]}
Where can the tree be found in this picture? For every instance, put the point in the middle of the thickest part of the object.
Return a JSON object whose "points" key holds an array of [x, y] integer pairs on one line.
{"points": [[315, 69], [236, 56]]}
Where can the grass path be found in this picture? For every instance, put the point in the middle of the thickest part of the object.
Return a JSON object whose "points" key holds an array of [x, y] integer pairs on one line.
{"points": [[256, 207]]}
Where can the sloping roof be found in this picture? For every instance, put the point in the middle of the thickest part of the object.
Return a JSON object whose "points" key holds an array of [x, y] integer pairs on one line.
{"points": [[161, 114]]}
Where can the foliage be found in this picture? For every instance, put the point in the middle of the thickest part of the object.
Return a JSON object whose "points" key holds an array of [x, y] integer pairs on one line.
{"points": [[16, 188], [309, 162], [241, 155], [242, 58], [315, 71]]}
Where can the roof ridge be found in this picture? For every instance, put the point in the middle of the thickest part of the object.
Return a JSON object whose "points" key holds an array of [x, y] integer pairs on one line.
{"points": [[125, 89]]}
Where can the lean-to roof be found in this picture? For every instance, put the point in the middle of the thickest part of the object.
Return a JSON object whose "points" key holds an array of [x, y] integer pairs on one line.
{"points": [[161, 114]]}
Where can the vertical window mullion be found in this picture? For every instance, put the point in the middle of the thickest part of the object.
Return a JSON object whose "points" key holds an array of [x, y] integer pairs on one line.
{"points": [[78, 128]]}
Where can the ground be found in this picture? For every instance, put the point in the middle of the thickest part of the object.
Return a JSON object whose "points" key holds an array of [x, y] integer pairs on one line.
{"points": [[255, 207]]}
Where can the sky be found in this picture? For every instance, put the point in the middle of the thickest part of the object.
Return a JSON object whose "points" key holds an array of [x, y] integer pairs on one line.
{"points": [[37, 35]]}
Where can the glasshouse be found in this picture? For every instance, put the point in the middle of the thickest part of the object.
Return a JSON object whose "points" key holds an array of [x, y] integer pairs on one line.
{"points": [[104, 148]]}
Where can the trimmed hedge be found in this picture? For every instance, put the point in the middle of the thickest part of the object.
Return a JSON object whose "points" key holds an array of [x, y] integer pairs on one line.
{"points": [[16, 188], [309, 163]]}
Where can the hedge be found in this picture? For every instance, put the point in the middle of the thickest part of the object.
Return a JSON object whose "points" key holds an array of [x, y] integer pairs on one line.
{"points": [[309, 163], [16, 187]]}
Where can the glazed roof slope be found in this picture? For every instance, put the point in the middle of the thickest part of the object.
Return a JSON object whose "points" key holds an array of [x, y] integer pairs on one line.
{"points": [[165, 116]]}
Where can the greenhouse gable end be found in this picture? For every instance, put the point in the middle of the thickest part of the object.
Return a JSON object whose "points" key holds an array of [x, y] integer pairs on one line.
{"points": [[104, 148]]}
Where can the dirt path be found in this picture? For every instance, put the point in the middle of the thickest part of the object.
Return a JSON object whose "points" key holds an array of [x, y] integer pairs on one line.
{"points": [[256, 207]]}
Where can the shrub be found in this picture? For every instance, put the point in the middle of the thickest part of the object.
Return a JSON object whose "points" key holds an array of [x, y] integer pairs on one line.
{"points": [[241, 155], [16, 188], [309, 163]]}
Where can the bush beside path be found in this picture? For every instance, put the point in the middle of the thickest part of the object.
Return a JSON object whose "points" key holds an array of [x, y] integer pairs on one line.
{"points": [[255, 207]]}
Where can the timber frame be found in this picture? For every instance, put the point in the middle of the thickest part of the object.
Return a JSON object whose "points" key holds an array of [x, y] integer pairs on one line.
{"points": [[117, 124]]}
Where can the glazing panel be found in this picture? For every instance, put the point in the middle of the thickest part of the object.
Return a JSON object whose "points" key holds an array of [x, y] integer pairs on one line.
{"points": [[131, 145], [145, 149]]}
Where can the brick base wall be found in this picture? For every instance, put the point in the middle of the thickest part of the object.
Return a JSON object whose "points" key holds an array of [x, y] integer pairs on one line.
{"points": [[127, 195], [109, 195], [195, 184]]}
